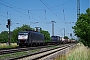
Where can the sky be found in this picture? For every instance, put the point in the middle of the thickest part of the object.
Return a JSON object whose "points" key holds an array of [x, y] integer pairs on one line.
{"points": [[63, 12]]}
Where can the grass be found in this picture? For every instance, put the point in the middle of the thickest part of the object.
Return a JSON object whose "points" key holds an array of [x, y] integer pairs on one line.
{"points": [[5, 45], [79, 53], [34, 50]]}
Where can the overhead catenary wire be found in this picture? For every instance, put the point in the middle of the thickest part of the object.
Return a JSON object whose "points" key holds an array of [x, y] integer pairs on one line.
{"points": [[14, 8], [35, 9], [20, 7], [17, 10], [51, 10], [7, 14], [62, 4], [32, 10], [64, 16], [10, 18], [45, 14], [24, 10], [29, 12]]}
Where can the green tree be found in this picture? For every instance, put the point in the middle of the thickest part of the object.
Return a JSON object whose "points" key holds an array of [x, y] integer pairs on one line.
{"points": [[18, 29], [82, 28], [66, 37], [46, 35], [3, 37], [27, 27]]}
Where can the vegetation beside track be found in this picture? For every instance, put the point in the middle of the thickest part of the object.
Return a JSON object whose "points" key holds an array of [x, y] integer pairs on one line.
{"points": [[81, 52], [5, 45]]}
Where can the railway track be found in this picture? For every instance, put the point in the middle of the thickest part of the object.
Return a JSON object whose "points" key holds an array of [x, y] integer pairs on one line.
{"points": [[42, 54], [14, 50], [8, 51]]}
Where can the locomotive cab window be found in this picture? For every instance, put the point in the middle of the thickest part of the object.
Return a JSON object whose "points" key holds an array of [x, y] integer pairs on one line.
{"points": [[23, 35]]}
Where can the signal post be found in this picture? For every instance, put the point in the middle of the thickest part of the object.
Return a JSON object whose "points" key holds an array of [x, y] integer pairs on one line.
{"points": [[8, 26]]}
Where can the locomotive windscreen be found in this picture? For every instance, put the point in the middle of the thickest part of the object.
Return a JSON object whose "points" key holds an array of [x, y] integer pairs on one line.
{"points": [[23, 35]]}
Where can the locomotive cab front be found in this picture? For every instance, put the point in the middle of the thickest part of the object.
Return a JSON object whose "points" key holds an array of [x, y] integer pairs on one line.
{"points": [[22, 38]]}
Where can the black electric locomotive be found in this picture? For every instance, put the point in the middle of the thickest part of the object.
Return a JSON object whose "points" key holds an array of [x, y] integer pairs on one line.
{"points": [[55, 40], [28, 38]]}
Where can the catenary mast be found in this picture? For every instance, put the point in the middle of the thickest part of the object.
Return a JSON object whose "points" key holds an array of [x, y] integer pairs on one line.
{"points": [[78, 9]]}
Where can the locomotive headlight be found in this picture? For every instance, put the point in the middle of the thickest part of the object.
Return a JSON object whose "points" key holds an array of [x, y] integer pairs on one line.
{"points": [[26, 37], [19, 37]]}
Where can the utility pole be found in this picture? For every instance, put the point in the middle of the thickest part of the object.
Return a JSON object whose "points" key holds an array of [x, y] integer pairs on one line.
{"points": [[71, 35], [53, 27], [78, 9], [64, 32], [8, 26]]}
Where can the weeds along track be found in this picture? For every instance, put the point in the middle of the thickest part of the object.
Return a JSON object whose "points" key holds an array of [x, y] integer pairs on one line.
{"points": [[42, 54], [20, 49]]}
